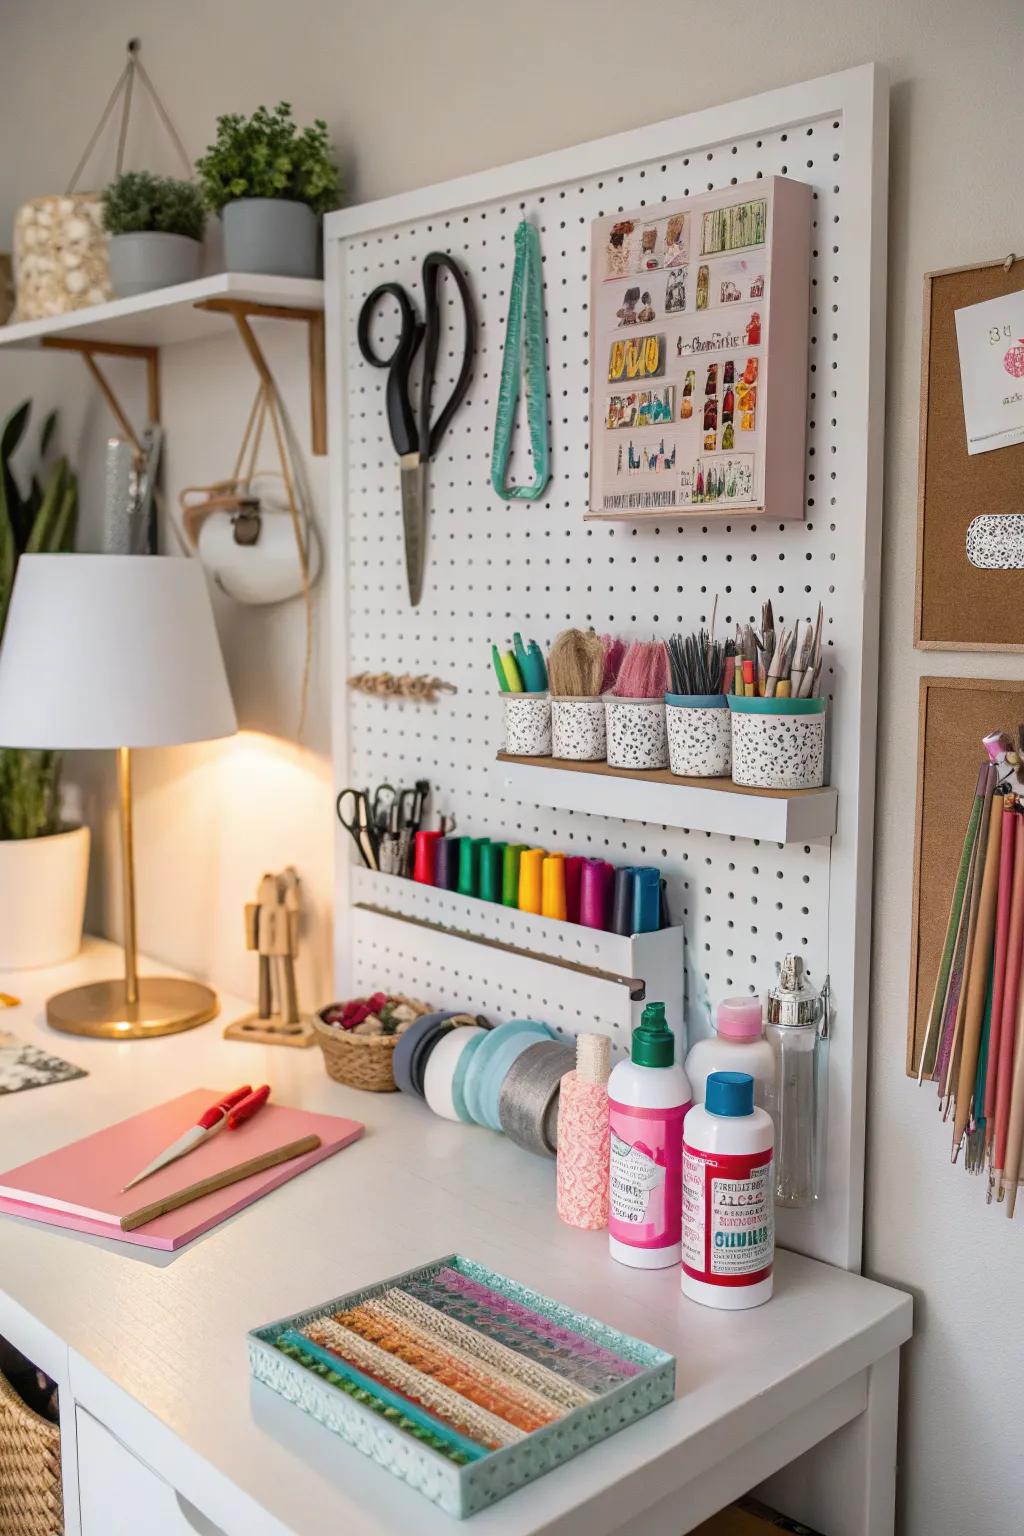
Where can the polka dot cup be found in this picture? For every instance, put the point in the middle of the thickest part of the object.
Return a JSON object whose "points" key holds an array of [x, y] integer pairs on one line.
{"points": [[636, 733], [699, 735], [527, 724], [778, 743]]}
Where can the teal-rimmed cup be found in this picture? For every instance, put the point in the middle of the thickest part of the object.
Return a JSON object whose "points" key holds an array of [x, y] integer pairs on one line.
{"points": [[778, 743]]}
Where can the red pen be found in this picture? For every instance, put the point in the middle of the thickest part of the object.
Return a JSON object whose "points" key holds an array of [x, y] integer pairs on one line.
{"points": [[233, 1110]]}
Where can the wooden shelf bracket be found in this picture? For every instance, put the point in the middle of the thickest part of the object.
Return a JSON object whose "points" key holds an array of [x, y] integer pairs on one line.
{"points": [[91, 350], [242, 311]]}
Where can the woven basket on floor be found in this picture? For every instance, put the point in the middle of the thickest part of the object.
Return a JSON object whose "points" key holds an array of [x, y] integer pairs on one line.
{"points": [[31, 1501], [360, 1061]]}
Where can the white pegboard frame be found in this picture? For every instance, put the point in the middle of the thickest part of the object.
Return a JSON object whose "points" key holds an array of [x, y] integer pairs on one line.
{"points": [[710, 876]]}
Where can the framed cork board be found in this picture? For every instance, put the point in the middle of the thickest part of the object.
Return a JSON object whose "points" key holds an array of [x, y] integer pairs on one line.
{"points": [[960, 607], [955, 714]]}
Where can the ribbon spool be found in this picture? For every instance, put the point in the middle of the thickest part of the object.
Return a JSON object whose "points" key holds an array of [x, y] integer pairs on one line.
{"points": [[527, 1101], [442, 1066]]}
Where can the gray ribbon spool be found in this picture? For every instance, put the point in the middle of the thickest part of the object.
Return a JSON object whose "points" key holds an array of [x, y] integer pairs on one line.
{"points": [[528, 1100]]}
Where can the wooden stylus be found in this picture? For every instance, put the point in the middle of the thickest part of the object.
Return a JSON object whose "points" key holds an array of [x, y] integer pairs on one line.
{"points": [[217, 1181]]}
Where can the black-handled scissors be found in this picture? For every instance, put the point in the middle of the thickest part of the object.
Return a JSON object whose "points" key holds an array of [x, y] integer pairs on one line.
{"points": [[354, 813], [416, 441]]}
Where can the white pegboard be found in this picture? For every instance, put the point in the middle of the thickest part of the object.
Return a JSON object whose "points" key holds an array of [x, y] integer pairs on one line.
{"points": [[494, 566]]}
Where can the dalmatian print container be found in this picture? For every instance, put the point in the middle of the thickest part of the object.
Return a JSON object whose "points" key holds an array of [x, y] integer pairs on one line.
{"points": [[699, 735], [578, 731], [527, 724], [636, 733], [778, 743]]}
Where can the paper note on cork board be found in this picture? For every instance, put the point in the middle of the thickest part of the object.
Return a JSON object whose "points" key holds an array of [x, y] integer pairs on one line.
{"points": [[970, 567]]}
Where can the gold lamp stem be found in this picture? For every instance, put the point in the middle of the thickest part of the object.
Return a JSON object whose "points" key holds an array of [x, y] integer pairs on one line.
{"points": [[131, 1009], [124, 786]]}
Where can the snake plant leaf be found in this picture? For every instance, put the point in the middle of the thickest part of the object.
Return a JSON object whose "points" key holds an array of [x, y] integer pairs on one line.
{"points": [[8, 559], [46, 435], [64, 527], [40, 539], [11, 433]]}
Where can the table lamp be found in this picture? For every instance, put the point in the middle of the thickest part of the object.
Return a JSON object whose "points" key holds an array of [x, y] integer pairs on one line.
{"points": [[118, 651]]}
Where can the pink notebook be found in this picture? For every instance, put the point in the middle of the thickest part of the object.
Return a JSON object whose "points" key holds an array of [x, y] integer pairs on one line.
{"points": [[85, 1178]]}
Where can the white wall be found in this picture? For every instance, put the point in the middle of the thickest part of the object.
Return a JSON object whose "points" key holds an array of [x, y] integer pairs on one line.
{"points": [[416, 92]]}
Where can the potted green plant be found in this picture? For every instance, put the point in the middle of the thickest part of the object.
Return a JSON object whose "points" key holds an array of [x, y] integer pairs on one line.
{"points": [[270, 182], [155, 228], [43, 862]]}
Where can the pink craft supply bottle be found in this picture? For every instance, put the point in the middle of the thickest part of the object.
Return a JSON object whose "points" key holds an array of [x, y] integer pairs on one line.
{"points": [[582, 1169], [648, 1096]]}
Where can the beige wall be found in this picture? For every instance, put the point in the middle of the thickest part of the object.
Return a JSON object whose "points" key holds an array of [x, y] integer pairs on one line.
{"points": [[416, 92]]}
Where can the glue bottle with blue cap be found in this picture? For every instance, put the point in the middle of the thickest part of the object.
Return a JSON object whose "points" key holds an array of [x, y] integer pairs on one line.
{"points": [[728, 1196]]}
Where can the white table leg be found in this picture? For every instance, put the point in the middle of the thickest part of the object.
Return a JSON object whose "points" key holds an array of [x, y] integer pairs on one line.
{"points": [[846, 1486]]}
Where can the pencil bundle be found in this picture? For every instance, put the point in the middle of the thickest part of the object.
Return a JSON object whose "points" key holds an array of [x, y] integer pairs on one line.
{"points": [[973, 1049]]}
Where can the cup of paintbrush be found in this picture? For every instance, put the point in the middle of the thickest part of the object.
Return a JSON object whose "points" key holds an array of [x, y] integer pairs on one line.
{"points": [[577, 666], [778, 736], [697, 718], [635, 708]]}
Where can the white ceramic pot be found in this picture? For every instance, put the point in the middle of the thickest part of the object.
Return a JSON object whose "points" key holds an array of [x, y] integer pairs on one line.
{"points": [[636, 733], [578, 731], [699, 735], [42, 898], [778, 743], [527, 724]]}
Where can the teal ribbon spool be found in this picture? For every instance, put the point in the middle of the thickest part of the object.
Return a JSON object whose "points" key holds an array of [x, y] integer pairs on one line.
{"points": [[523, 329]]}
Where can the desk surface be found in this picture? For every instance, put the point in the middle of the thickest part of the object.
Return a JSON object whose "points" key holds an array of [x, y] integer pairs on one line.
{"points": [[158, 1341]]}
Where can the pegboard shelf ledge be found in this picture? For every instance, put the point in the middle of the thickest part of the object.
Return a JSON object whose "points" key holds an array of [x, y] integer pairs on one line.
{"points": [[699, 805]]}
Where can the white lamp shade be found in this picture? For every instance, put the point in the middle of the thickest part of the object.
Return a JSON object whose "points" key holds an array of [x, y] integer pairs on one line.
{"points": [[111, 651]]}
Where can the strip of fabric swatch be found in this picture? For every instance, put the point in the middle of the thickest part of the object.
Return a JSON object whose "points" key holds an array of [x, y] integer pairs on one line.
{"points": [[537, 1323], [374, 1404], [429, 1354], [585, 1375], [510, 1364], [456, 1409]]}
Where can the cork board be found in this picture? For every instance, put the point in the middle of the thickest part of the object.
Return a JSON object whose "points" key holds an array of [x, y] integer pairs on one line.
{"points": [[959, 607], [955, 713]]}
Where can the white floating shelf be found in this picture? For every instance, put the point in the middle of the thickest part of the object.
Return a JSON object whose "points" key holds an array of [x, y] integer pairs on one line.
{"points": [[701, 805], [464, 952], [167, 315]]}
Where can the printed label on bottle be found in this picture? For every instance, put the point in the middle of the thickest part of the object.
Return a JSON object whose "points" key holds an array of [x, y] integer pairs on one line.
{"points": [[645, 1175], [728, 1216]]}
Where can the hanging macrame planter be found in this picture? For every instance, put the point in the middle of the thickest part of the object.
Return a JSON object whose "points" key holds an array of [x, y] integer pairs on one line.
{"points": [[60, 245]]}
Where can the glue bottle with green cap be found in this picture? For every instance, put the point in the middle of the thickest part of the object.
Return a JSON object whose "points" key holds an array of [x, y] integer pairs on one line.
{"points": [[728, 1196], [648, 1097]]}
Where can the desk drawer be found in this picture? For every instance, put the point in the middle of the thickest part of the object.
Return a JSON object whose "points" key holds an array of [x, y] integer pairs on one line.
{"points": [[121, 1496]]}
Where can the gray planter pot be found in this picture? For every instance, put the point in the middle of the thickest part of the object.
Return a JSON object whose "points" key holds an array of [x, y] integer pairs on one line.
{"points": [[271, 235], [146, 260]]}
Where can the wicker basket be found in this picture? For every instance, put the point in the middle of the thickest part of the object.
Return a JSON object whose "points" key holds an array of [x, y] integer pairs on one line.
{"points": [[31, 1501], [360, 1061]]}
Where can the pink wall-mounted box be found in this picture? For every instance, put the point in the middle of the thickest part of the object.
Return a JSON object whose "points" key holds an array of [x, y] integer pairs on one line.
{"points": [[699, 367]]}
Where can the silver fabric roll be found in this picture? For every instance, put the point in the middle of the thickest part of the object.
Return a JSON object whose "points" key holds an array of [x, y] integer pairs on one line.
{"points": [[529, 1091]]}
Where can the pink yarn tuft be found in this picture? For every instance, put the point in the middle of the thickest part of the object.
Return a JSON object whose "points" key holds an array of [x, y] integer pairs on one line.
{"points": [[644, 673], [614, 650]]}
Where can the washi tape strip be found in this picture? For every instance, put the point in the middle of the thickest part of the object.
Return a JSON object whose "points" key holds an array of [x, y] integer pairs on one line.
{"points": [[585, 1375], [512, 1365], [303, 1354], [383, 1394], [430, 1354], [426, 1391], [536, 1323]]}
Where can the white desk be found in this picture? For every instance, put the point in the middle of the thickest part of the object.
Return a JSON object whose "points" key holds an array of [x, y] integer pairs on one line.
{"points": [[149, 1350]]}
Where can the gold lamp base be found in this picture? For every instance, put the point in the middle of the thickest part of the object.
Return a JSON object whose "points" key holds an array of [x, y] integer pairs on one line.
{"points": [[165, 1006]]}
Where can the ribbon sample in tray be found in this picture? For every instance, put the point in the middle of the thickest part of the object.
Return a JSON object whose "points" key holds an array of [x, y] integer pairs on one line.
{"points": [[461, 1382]]}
